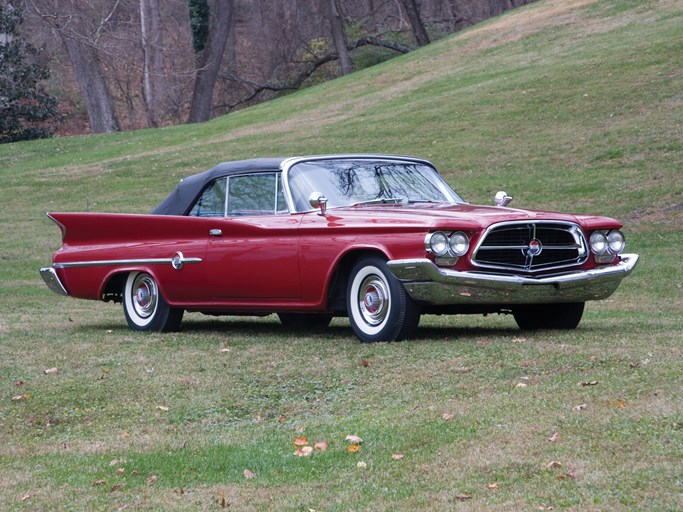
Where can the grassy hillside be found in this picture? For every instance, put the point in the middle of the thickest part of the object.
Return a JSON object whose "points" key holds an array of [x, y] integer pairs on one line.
{"points": [[573, 105]]}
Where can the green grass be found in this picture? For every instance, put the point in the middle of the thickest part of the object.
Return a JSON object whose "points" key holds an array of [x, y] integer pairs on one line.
{"points": [[572, 106]]}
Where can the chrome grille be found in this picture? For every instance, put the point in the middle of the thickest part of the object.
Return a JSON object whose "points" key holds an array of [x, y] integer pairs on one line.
{"points": [[531, 246]]}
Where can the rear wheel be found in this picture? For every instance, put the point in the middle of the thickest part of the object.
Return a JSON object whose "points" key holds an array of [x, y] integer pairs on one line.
{"points": [[144, 306], [378, 306], [549, 316]]}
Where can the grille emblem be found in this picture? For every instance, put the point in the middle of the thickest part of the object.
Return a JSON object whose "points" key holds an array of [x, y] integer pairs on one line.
{"points": [[534, 249]]}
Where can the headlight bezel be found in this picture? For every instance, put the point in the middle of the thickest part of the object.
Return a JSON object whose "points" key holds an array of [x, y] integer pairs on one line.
{"points": [[450, 245], [606, 244]]}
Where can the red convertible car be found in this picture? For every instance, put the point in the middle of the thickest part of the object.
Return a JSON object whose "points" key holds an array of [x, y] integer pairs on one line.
{"points": [[380, 239]]}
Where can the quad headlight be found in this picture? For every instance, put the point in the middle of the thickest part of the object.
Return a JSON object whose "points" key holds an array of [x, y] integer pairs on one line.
{"points": [[437, 244], [615, 241], [442, 244], [605, 245]]}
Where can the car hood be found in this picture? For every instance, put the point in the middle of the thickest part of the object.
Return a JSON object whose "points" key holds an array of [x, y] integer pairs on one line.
{"points": [[460, 216]]}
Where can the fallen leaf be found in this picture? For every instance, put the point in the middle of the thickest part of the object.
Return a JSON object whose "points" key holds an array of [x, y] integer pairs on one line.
{"points": [[50, 371], [590, 383], [579, 407], [98, 482], [114, 462], [118, 487], [553, 464], [249, 474], [321, 445], [493, 486], [354, 439], [300, 441], [521, 385], [19, 383], [397, 456], [463, 497], [554, 437], [362, 465], [225, 350], [620, 404], [24, 497], [152, 479], [162, 408], [518, 340], [353, 448], [304, 451], [365, 363], [120, 471], [447, 416]]}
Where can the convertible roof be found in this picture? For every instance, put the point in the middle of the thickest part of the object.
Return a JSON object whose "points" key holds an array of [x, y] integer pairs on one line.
{"points": [[184, 195]]}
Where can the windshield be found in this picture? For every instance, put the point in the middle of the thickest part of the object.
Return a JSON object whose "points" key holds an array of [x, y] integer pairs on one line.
{"points": [[360, 181]]}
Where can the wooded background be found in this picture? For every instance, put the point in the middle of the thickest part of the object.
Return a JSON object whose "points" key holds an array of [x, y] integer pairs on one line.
{"points": [[128, 64]]}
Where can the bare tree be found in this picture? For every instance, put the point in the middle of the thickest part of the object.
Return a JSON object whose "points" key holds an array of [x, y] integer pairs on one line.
{"points": [[132, 64], [152, 48], [339, 37], [412, 8], [80, 39], [208, 59]]}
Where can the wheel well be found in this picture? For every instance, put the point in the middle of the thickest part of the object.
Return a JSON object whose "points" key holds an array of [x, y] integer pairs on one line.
{"points": [[113, 290], [336, 295]]}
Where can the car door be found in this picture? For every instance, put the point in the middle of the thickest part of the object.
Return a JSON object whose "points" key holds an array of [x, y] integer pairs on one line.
{"points": [[253, 248]]}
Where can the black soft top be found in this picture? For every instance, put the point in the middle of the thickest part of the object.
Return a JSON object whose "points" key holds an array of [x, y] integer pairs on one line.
{"points": [[183, 196]]}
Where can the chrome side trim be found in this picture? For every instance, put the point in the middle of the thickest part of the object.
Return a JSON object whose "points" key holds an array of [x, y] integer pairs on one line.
{"points": [[111, 263], [52, 281], [426, 282]]}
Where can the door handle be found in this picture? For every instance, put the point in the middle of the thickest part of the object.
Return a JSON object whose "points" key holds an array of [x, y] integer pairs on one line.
{"points": [[216, 232]]}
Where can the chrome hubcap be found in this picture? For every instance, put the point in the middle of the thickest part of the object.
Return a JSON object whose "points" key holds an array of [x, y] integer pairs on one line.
{"points": [[145, 295], [373, 300]]}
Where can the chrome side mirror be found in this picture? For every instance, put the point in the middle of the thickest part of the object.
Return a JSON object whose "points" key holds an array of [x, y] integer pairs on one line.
{"points": [[502, 198], [317, 200]]}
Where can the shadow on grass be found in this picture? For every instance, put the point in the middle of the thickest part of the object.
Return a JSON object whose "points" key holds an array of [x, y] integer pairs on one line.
{"points": [[340, 330]]}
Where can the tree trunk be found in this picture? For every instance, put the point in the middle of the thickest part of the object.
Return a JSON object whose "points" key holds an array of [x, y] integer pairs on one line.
{"points": [[339, 37], [209, 61], [413, 11], [153, 82], [98, 100]]}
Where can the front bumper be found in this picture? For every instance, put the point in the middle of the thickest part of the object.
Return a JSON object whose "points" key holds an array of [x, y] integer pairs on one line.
{"points": [[425, 282]]}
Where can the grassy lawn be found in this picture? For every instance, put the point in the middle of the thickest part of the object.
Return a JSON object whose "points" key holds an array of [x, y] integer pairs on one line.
{"points": [[572, 105]]}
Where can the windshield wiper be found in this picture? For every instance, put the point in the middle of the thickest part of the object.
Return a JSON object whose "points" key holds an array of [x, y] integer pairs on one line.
{"points": [[381, 200]]}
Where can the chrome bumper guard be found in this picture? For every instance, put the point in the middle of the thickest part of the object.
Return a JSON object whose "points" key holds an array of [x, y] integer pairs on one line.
{"points": [[425, 282], [52, 281]]}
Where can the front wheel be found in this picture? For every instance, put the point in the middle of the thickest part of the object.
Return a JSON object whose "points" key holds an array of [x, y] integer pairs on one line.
{"points": [[144, 306], [378, 306], [549, 316]]}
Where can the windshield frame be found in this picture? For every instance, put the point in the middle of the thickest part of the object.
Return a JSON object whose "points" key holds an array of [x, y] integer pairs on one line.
{"points": [[288, 164]]}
